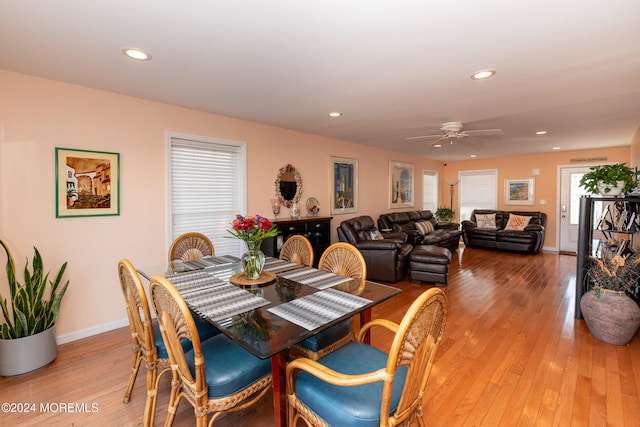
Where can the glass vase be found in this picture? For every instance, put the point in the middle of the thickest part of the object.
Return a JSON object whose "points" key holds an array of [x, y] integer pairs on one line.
{"points": [[253, 260]]}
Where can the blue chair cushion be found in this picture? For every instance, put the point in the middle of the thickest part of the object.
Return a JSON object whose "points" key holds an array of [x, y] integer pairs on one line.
{"points": [[357, 406], [229, 368], [205, 330], [327, 337]]}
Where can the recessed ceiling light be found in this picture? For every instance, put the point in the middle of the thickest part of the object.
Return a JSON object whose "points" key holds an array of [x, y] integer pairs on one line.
{"points": [[473, 156], [555, 148], [482, 74], [541, 132], [437, 145], [135, 53], [335, 114]]}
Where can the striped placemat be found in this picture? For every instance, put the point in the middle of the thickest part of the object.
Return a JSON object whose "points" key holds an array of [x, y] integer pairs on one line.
{"points": [[276, 265], [219, 302], [317, 309], [208, 261], [315, 278], [193, 281]]}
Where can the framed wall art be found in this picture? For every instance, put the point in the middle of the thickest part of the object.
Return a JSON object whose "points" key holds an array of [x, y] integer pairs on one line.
{"points": [[519, 191], [87, 183], [344, 185], [400, 184]]}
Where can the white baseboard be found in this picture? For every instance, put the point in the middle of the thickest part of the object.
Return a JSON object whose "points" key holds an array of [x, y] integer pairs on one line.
{"points": [[105, 327]]}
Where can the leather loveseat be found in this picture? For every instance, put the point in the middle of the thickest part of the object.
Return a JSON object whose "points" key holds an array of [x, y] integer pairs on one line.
{"points": [[386, 254], [487, 228], [443, 234]]}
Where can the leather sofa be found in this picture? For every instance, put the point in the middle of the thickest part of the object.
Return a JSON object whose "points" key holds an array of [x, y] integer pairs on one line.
{"points": [[444, 234], [387, 259], [481, 234]]}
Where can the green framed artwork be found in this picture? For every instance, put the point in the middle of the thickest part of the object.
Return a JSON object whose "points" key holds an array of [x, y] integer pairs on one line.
{"points": [[87, 183]]}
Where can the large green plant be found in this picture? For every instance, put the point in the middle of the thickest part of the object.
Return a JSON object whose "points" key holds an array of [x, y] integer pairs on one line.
{"points": [[609, 175], [32, 313]]}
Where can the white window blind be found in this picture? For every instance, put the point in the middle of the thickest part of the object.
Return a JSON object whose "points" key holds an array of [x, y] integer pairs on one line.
{"points": [[207, 188], [478, 190], [430, 190]]}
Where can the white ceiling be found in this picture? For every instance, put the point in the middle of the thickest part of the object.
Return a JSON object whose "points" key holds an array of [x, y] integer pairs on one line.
{"points": [[395, 68]]}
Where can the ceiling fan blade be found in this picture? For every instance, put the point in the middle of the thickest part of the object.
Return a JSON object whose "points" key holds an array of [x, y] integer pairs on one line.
{"points": [[425, 136], [483, 132], [472, 140]]}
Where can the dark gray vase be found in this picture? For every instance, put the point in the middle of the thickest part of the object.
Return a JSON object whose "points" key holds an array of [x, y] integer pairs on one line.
{"points": [[22, 355], [613, 318]]}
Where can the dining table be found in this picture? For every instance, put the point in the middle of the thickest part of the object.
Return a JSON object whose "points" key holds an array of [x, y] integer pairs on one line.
{"points": [[267, 316]]}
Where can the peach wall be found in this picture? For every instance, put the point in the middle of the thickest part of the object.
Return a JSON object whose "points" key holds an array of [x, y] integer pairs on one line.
{"points": [[37, 115], [635, 149], [546, 184]]}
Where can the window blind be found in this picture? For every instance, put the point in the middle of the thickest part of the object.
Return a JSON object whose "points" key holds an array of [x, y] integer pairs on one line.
{"points": [[430, 190], [207, 188], [478, 190]]}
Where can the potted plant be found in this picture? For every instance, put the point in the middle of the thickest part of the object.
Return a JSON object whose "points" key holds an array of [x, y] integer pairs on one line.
{"points": [[610, 180], [27, 335], [444, 214], [609, 312]]}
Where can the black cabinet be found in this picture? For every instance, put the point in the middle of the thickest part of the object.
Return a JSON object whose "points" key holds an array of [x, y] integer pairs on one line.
{"points": [[607, 226], [315, 228]]}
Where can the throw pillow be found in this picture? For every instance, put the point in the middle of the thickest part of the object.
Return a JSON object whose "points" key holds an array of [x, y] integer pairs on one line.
{"points": [[424, 227], [487, 221], [517, 222], [376, 235]]}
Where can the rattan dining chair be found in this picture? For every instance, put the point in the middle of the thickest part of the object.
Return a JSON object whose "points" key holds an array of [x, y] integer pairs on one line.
{"points": [[346, 260], [144, 344], [297, 249], [216, 375], [358, 384], [145, 335], [190, 246]]}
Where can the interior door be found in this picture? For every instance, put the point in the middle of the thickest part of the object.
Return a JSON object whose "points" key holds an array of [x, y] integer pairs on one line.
{"points": [[570, 192]]}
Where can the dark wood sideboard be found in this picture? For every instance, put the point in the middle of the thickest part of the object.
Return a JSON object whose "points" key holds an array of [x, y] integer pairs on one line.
{"points": [[315, 228]]}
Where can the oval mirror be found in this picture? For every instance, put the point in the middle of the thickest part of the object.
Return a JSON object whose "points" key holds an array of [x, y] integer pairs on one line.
{"points": [[288, 185]]}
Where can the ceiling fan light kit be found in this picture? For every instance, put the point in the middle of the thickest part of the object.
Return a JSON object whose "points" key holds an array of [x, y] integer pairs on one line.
{"points": [[453, 132]]}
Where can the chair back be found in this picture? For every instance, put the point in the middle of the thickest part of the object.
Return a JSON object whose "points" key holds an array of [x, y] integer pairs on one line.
{"points": [[138, 311], [414, 345], [297, 249], [177, 325], [190, 247], [345, 259]]}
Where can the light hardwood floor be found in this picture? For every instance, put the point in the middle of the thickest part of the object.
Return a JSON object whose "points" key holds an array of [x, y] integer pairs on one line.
{"points": [[512, 355]]}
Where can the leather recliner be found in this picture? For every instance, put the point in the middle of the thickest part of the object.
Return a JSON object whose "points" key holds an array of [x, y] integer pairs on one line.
{"points": [[387, 259], [444, 234], [529, 240]]}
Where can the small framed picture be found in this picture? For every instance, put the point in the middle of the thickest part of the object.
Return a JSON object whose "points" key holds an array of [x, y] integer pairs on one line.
{"points": [[87, 183], [400, 184], [344, 185], [519, 191]]}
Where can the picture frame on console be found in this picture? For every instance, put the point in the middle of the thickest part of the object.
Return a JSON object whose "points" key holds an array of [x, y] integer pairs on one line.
{"points": [[519, 191], [401, 182], [87, 183], [344, 185]]}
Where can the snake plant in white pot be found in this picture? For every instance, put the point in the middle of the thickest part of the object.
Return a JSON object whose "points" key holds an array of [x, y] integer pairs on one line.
{"points": [[27, 335]]}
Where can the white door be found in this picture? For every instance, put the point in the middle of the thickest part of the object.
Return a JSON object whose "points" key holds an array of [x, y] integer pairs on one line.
{"points": [[570, 192]]}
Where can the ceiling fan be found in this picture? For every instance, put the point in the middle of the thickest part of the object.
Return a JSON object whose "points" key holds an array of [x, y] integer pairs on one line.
{"points": [[453, 132]]}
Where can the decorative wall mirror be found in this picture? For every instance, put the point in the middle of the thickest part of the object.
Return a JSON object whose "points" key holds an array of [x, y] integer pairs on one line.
{"points": [[288, 185]]}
